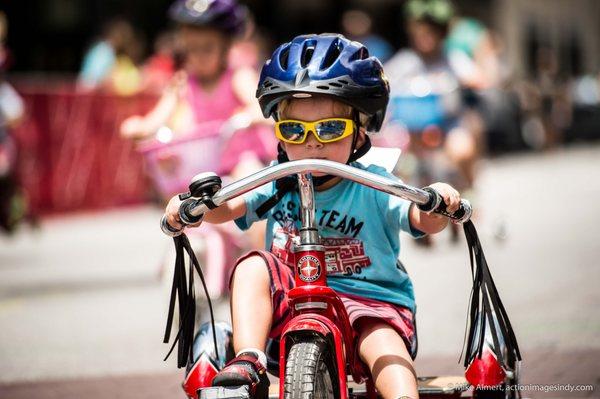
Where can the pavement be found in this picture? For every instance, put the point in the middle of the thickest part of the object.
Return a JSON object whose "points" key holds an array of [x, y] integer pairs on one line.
{"points": [[82, 304]]}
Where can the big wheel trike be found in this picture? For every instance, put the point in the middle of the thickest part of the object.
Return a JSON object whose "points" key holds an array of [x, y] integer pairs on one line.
{"points": [[315, 355]]}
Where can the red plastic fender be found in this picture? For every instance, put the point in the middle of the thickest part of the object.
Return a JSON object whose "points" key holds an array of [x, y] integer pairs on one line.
{"points": [[200, 376], [306, 324], [324, 327], [485, 372]]}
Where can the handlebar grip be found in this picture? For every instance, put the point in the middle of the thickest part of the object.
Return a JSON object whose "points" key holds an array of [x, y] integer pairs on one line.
{"points": [[462, 214], [185, 211], [184, 215], [436, 204], [167, 229]]}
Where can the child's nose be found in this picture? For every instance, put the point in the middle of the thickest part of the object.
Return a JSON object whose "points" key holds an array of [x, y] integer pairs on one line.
{"points": [[311, 141]]}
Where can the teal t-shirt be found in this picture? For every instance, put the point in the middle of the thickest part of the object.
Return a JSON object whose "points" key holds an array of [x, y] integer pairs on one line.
{"points": [[360, 228], [465, 36], [98, 63]]}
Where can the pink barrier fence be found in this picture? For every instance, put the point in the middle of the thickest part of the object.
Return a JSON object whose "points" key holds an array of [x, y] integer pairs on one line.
{"points": [[70, 154]]}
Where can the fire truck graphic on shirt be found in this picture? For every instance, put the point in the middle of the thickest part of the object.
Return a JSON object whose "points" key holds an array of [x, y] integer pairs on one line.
{"points": [[343, 255]]}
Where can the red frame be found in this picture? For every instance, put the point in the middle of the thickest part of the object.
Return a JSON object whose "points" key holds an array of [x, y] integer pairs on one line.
{"points": [[332, 323]]}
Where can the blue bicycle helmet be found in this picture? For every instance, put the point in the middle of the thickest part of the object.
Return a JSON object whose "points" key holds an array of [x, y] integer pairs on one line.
{"points": [[224, 15], [326, 64]]}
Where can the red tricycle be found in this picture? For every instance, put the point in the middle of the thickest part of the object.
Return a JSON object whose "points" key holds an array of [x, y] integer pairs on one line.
{"points": [[315, 354]]}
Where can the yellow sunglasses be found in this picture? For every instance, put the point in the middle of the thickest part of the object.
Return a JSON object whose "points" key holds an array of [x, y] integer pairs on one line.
{"points": [[325, 130]]}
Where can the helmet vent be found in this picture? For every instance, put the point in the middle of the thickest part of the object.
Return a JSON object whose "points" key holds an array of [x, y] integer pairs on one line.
{"points": [[342, 81], [307, 53], [335, 84], [361, 54], [267, 84], [283, 57], [334, 51], [323, 87]]}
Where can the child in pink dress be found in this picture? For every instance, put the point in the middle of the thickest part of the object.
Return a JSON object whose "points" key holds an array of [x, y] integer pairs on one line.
{"points": [[206, 89]]}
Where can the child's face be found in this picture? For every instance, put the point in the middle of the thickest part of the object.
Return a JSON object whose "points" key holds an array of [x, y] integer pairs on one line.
{"points": [[312, 109], [425, 38], [205, 52]]}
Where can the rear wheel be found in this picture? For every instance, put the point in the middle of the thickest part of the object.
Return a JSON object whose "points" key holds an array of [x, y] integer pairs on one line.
{"points": [[310, 371]]}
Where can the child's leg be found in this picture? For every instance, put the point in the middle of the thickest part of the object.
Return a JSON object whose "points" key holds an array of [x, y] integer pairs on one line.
{"points": [[385, 353], [251, 309]]}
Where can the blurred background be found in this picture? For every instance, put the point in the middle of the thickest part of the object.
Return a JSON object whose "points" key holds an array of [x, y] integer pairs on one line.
{"points": [[102, 103]]}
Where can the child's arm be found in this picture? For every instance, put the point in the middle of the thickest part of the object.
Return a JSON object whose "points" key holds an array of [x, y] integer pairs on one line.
{"points": [[233, 209], [433, 223], [139, 127]]}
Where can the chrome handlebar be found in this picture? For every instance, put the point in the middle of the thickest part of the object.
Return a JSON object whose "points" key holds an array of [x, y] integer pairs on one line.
{"points": [[427, 200]]}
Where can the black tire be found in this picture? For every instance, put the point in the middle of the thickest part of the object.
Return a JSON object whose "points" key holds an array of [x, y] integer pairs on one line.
{"points": [[310, 372]]}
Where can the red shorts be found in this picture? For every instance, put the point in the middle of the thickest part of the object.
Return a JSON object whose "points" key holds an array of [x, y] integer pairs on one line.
{"points": [[398, 317]]}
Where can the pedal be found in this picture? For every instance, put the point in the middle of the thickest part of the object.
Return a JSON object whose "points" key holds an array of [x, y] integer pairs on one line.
{"points": [[239, 392]]}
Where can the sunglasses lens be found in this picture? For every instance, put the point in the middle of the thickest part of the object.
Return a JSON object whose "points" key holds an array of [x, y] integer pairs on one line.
{"points": [[331, 130], [292, 131]]}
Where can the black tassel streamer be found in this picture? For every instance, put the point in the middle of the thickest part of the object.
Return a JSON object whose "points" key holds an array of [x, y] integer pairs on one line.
{"points": [[486, 310], [182, 290]]}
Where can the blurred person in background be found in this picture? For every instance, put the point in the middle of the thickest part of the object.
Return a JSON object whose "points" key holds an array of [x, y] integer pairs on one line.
{"points": [[207, 119], [492, 112], [207, 88], [12, 109], [160, 66], [427, 109], [469, 38], [545, 101], [110, 63], [555, 104], [357, 25]]}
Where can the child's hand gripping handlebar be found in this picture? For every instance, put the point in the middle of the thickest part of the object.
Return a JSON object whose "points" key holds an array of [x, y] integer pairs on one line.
{"points": [[202, 189], [436, 204], [206, 193]]}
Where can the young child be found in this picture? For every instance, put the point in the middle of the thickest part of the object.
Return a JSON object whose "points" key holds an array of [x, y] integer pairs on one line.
{"points": [[427, 60], [379, 298], [206, 89]]}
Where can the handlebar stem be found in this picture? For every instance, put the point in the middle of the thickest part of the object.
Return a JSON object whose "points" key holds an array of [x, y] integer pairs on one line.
{"points": [[308, 233]]}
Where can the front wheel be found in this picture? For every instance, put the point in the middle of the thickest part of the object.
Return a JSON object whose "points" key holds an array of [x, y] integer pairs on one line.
{"points": [[310, 371]]}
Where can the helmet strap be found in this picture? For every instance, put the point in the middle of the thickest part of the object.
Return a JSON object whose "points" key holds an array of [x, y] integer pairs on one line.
{"points": [[356, 153], [360, 151]]}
